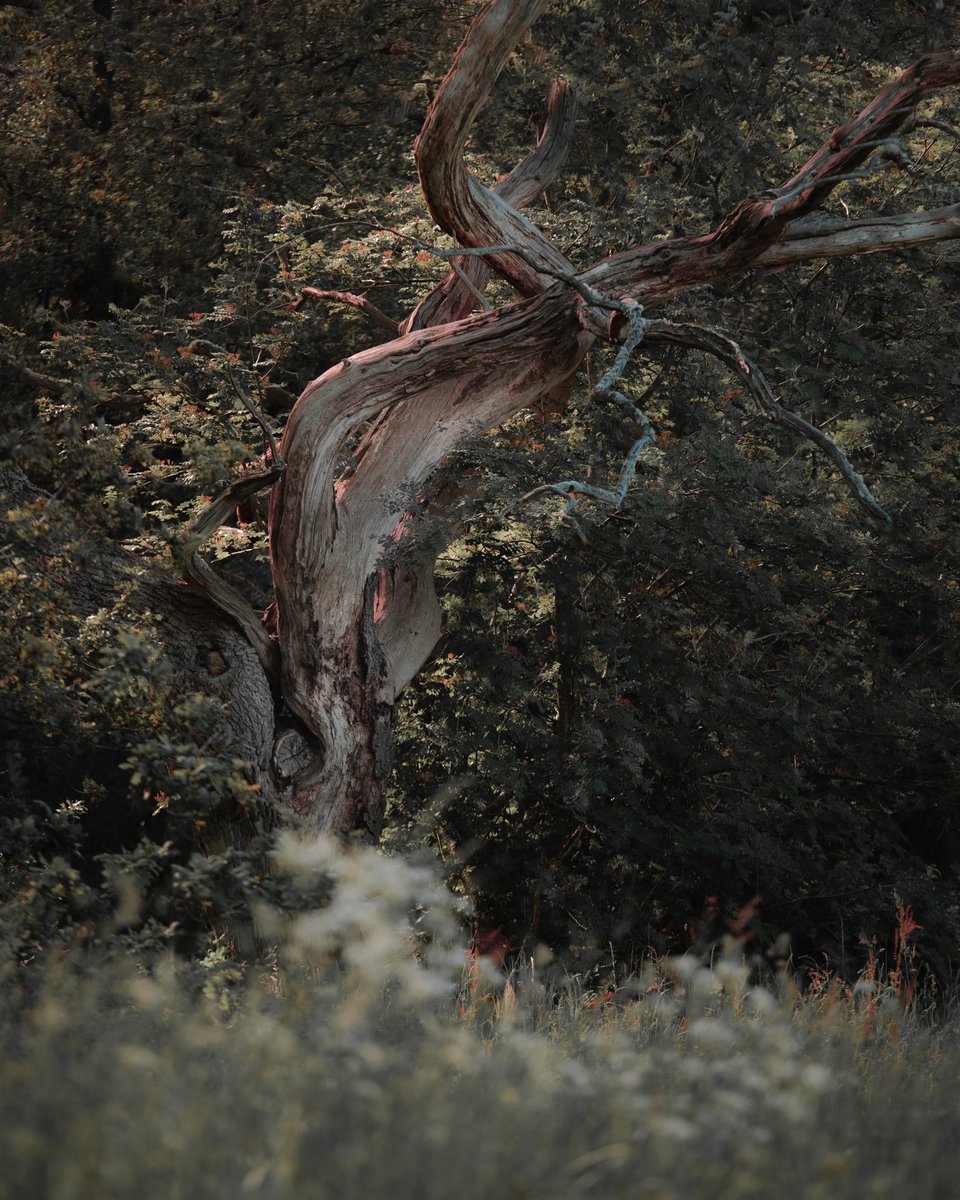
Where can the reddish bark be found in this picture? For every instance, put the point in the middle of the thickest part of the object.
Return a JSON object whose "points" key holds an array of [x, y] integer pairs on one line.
{"points": [[355, 623]]}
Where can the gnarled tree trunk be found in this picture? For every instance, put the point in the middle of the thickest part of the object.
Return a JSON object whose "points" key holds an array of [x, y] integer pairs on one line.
{"points": [[356, 613]]}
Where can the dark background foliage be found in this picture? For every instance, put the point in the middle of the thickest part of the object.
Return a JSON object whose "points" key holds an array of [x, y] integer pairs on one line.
{"points": [[732, 686]]}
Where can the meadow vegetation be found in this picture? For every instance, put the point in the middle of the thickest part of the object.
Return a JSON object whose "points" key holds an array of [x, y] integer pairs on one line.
{"points": [[370, 1056]]}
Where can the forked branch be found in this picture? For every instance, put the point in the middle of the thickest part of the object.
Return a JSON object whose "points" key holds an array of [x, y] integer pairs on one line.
{"points": [[573, 489], [711, 341], [771, 229], [352, 633], [726, 349], [462, 206], [456, 296]]}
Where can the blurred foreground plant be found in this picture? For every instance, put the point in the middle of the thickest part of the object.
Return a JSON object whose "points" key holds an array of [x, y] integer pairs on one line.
{"points": [[350, 1064]]}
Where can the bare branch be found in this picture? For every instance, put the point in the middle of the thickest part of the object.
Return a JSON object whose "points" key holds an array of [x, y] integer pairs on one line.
{"points": [[567, 276], [529, 178], [471, 213], [820, 235], [930, 123], [185, 546], [729, 352], [604, 390], [655, 272], [468, 283], [726, 349], [349, 298], [850, 145], [270, 442], [454, 298]]}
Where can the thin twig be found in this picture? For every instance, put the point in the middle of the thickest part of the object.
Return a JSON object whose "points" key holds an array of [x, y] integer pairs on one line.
{"points": [[726, 349], [582, 289], [469, 285], [573, 489], [350, 299], [255, 412], [930, 123]]}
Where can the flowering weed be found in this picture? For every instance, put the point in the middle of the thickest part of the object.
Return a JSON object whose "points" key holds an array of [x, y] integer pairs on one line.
{"points": [[371, 1057]]}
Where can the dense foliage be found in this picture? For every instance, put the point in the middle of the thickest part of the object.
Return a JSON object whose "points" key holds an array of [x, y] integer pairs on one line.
{"points": [[731, 687]]}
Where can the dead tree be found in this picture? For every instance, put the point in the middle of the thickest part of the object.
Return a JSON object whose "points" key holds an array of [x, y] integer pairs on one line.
{"points": [[354, 619]]}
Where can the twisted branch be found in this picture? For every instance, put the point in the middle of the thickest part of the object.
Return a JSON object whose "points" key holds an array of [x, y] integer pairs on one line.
{"points": [[455, 296], [573, 489], [472, 214], [726, 349], [185, 546]]}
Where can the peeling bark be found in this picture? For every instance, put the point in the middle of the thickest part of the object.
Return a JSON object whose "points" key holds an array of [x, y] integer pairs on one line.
{"points": [[459, 203], [356, 612], [656, 272], [350, 654], [453, 299], [308, 696]]}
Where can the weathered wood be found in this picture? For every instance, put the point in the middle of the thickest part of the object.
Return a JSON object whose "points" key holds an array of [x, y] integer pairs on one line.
{"points": [[656, 272], [356, 614], [453, 298], [822, 236], [458, 201]]}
